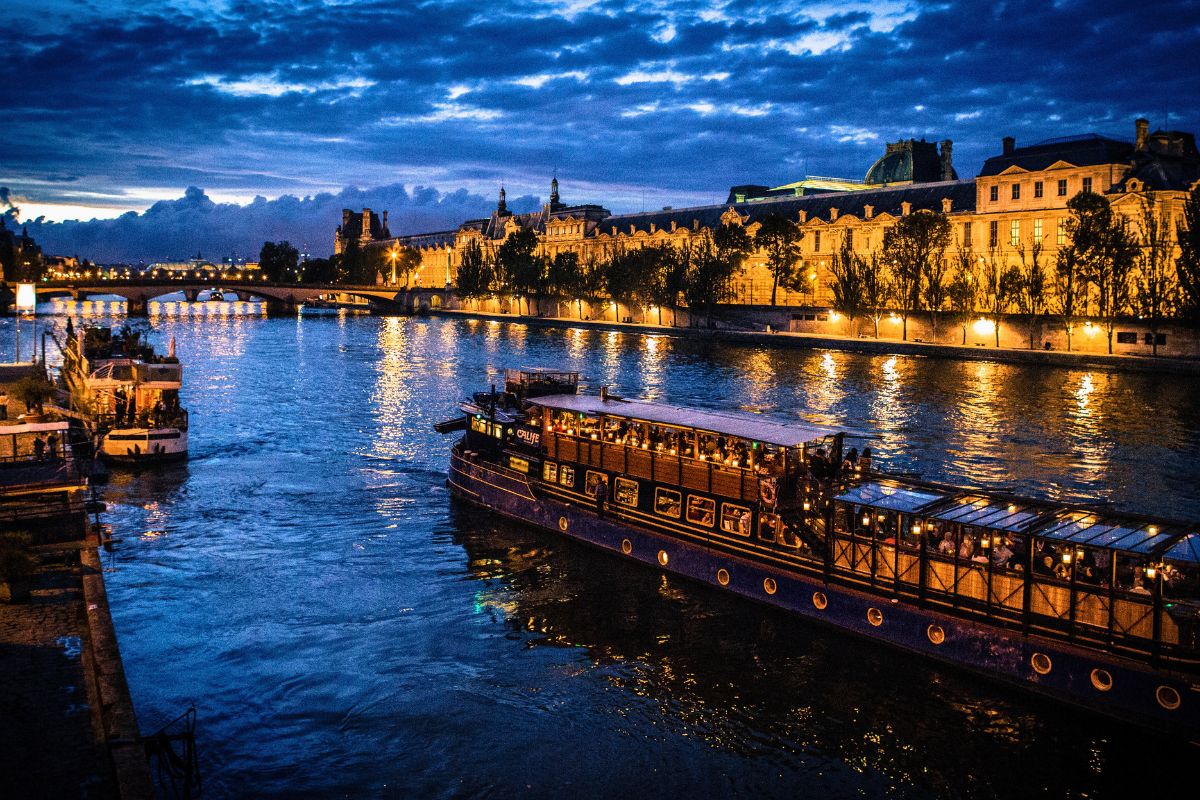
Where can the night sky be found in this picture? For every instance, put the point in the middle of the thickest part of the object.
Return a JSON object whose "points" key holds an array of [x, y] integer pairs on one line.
{"points": [[237, 122]]}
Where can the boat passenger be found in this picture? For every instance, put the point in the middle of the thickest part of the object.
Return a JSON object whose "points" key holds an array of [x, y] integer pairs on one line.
{"points": [[601, 495], [966, 548], [947, 547], [864, 462], [849, 462], [1139, 587], [1002, 554]]}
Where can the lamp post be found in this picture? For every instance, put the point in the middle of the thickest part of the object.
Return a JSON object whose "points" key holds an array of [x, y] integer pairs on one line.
{"points": [[393, 254], [26, 301]]}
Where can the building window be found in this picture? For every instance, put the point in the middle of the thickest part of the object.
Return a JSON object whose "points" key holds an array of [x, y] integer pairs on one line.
{"points": [[1087, 184], [1016, 191], [550, 472], [519, 464], [1150, 338], [1014, 232], [566, 476], [849, 240], [1062, 188], [993, 194], [1037, 231], [627, 492], [816, 241], [966, 240], [1126, 337], [735, 519], [701, 510], [1060, 238], [1037, 189], [993, 233], [667, 502]]}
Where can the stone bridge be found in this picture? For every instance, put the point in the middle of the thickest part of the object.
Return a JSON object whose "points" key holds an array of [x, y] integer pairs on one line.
{"points": [[279, 297]]}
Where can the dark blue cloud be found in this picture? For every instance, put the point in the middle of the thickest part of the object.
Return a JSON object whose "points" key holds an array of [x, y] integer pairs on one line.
{"points": [[676, 99]]}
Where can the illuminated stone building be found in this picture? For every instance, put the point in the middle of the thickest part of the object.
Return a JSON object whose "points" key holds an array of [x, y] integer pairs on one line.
{"points": [[1018, 198]]}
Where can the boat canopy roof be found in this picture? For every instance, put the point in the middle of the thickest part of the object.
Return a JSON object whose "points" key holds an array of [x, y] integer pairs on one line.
{"points": [[1171, 541], [994, 513], [892, 496], [1133, 536], [1186, 549], [750, 427]]}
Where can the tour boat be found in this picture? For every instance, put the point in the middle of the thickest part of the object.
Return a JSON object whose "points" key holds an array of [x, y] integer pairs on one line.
{"points": [[129, 394], [1095, 608]]}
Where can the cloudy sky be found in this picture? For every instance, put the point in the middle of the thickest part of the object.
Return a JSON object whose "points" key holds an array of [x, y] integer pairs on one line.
{"points": [[111, 106]]}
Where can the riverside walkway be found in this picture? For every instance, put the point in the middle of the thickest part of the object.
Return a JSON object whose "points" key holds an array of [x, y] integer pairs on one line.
{"points": [[885, 346], [67, 727]]}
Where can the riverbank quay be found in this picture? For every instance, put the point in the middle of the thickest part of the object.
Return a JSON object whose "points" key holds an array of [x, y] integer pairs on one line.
{"points": [[67, 724], [859, 344]]}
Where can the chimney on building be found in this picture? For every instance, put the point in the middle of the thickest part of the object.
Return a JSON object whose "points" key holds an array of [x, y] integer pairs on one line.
{"points": [[803, 216], [345, 219], [833, 213], [905, 208], [366, 228], [868, 211], [946, 204], [385, 218], [1009, 144], [1142, 126], [948, 173]]}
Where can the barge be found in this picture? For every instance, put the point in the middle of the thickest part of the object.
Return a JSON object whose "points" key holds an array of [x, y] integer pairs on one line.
{"points": [[1091, 607]]}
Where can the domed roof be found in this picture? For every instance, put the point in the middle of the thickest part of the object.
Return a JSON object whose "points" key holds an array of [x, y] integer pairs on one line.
{"points": [[893, 166], [910, 161]]}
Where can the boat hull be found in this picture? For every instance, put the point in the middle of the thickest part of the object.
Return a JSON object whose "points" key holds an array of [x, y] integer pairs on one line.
{"points": [[1102, 682], [144, 445]]}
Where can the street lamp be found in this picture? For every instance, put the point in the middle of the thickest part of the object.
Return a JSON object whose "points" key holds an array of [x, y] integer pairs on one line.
{"points": [[26, 301], [393, 254]]}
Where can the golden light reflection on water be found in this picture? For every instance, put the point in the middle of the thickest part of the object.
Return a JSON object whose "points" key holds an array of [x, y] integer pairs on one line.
{"points": [[652, 365], [1085, 419], [888, 410]]}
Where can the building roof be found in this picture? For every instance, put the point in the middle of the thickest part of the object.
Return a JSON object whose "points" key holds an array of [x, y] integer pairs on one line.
{"points": [[751, 427], [888, 200], [907, 160], [1081, 151]]}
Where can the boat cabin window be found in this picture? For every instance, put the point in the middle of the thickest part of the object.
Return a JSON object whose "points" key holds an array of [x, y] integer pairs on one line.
{"points": [[735, 519], [487, 427], [627, 492], [667, 502], [701, 510], [590, 480], [519, 464], [566, 476], [550, 472]]}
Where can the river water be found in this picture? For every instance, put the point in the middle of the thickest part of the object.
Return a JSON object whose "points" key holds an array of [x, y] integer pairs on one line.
{"points": [[346, 629]]}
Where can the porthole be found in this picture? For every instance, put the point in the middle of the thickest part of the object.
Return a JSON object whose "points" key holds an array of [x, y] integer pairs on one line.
{"points": [[935, 634], [769, 586], [875, 616], [1041, 663], [820, 600], [1167, 697], [723, 576], [563, 524], [1102, 680], [663, 558], [626, 546]]}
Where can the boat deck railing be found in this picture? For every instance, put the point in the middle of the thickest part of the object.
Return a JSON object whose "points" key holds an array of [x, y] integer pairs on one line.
{"points": [[663, 466]]}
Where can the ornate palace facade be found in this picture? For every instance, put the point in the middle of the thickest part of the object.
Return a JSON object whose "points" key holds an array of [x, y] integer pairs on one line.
{"points": [[1018, 198]]}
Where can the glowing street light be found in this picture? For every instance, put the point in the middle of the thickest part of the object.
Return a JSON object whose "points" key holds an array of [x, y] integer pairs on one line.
{"points": [[26, 301]]}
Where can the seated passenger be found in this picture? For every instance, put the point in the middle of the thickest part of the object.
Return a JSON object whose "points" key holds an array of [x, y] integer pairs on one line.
{"points": [[946, 546], [1002, 554]]}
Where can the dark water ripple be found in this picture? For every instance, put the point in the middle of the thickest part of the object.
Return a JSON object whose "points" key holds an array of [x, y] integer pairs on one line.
{"points": [[347, 630]]}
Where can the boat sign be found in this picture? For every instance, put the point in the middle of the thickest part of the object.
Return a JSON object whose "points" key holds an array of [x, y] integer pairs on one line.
{"points": [[529, 436]]}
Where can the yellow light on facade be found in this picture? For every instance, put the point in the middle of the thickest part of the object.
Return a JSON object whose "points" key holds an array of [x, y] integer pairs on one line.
{"points": [[834, 316], [984, 327]]}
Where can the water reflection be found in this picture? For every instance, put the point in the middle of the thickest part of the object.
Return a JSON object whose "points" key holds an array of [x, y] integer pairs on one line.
{"points": [[321, 597]]}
